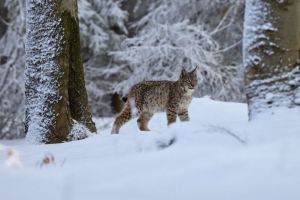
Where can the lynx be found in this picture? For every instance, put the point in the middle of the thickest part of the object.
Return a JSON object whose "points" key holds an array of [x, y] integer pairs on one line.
{"points": [[149, 97]]}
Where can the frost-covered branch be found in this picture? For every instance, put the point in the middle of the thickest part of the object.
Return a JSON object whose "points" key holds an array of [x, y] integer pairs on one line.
{"points": [[102, 28], [11, 72]]}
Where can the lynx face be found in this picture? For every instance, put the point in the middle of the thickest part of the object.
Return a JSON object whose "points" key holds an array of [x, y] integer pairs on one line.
{"points": [[188, 80]]}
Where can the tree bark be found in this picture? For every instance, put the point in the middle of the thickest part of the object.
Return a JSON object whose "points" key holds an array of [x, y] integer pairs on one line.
{"points": [[57, 107], [271, 54]]}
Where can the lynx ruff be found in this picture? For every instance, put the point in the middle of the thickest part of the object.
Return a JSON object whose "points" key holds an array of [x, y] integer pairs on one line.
{"points": [[149, 97]]}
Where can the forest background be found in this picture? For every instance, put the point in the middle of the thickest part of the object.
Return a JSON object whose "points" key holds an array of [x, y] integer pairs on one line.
{"points": [[125, 42]]}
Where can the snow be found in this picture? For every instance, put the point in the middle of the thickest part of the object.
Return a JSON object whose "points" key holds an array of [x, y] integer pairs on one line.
{"points": [[78, 131], [269, 97], [217, 155]]}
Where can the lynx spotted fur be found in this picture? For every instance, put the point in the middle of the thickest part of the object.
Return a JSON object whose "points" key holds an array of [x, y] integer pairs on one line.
{"points": [[149, 97]]}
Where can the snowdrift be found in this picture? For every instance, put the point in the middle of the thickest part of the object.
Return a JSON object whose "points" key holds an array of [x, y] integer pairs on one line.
{"points": [[217, 155]]}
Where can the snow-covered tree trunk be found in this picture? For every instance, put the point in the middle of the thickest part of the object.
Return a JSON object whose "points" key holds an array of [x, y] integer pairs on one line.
{"points": [[271, 54], [56, 100]]}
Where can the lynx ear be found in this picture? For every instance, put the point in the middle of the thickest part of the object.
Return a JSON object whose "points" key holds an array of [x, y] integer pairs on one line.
{"points": [[183, 72]]}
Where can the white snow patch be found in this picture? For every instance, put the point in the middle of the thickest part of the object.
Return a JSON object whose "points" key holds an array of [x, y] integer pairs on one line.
{"points": [[297, 101], [78, 131], [269, 97]]}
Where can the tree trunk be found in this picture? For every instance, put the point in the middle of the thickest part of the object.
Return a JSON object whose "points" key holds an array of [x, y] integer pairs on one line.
{"points": [[271, 54], [56, 100], [3, 15]]}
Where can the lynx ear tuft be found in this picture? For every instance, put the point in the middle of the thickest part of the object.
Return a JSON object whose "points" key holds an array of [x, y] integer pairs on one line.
{"points": [[194, 71], [183, 72]]}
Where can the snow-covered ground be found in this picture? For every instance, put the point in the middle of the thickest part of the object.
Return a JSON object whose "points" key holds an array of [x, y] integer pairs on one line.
{"points": [[217, 155]]}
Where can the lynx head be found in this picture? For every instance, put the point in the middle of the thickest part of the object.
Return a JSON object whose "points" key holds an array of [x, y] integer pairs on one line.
{"points": [[188, 80]]}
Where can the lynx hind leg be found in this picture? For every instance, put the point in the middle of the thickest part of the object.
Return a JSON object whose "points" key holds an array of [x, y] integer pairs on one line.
{"points": [[184, 115], [122, 118], [143, 121]]}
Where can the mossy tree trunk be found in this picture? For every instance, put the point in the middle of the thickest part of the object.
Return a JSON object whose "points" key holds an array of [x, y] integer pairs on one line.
{"points": [[271, 54], [57, 107]]}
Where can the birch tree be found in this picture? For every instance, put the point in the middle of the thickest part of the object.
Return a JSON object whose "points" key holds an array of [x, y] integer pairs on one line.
{"points": [[56, 100], [271, 54]]}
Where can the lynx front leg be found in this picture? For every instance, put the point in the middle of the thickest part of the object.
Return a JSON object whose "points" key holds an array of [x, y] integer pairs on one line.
{"points": [[143, 121], [184, 115], [171, 116]]}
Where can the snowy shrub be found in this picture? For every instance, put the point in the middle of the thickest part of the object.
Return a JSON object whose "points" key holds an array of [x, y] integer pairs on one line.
{"points": [[222, 18]]}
